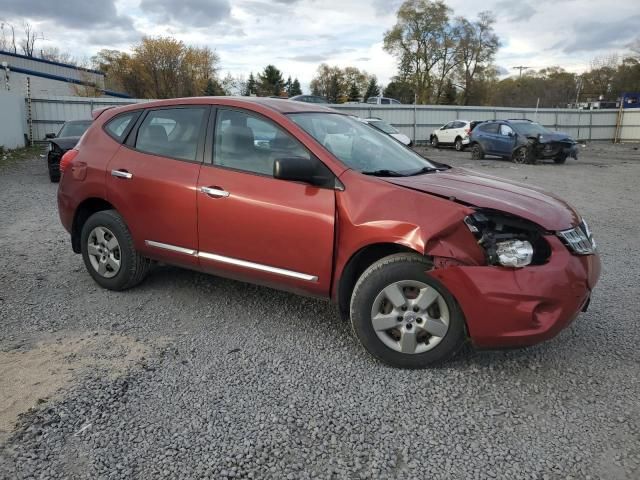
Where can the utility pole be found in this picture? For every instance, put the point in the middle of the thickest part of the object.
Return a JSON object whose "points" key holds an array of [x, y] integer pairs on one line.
{"points": [[521, 68]]}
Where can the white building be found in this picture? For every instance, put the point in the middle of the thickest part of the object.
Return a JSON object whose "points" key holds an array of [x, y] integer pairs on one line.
{"points": [[47, 78]]}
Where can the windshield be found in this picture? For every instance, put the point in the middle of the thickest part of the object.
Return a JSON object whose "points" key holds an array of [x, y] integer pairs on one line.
{"points": [[384, 126], [75, 129], [529, 129], [361, 147]]}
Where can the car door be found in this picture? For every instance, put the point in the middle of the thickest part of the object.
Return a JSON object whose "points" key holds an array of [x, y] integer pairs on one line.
{"points": [[505, 140], [443, 133], [152, 181], [252, 226], [488, 138]]}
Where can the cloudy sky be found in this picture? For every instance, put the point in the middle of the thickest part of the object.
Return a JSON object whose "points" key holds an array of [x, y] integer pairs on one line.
{"points": [[296, 35]]}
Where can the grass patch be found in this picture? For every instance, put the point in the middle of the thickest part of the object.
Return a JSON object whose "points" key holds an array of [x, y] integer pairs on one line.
{"points": [[12, 156]]}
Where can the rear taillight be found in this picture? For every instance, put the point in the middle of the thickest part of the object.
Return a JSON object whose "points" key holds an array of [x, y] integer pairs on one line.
{"points": [[467, 131], [67, 158]]}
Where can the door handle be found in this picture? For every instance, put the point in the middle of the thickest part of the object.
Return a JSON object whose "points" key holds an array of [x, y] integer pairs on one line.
{"points": [[215, 192], [121, 174]]}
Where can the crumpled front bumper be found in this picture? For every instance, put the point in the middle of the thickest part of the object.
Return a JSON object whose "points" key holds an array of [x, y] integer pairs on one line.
{"points": [[507, 307]]}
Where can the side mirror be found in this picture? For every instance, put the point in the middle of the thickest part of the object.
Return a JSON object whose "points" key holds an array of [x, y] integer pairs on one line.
{"points": [[50, 135], [298, 169], [511, 134]]}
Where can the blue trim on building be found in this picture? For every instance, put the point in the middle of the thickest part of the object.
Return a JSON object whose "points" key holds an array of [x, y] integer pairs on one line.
{"points": [[58, 78], [50, 62]]}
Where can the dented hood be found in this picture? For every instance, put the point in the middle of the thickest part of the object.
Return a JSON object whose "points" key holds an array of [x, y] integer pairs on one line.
{"points": [[485, 191]]}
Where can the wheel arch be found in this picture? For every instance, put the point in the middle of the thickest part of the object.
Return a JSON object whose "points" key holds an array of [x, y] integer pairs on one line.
{"points": [[358, 263], [85, 209]]}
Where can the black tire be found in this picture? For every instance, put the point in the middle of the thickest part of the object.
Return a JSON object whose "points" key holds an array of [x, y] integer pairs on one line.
{"points": [[458, 145], [396, 268], [521, 156], [560, 160], [476, 152], [133, 266], [435, 143], [54, 174]]}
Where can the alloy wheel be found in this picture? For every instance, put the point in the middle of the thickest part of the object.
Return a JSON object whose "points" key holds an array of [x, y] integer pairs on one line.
{"points": [[410, 317], [521, 156], [104, 252]]}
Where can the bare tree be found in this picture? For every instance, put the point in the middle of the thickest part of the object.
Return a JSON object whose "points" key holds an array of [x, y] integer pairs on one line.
{"points": [[29, 41], [8, 37], [54, 54]]}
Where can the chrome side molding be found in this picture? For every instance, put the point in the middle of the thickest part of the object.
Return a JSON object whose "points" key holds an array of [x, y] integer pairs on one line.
{"points": [[234, 261]]}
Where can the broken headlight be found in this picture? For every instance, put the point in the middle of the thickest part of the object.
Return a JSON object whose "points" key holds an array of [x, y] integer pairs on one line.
{"points": [[507, 240], [579, 239]]}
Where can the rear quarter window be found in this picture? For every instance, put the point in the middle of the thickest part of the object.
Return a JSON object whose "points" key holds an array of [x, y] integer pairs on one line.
{"points": [[119, 126]]}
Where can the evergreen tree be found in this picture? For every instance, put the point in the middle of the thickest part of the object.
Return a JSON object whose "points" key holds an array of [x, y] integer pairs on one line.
{"points": [[287, 86], [270, 81], [213, 88], [373, 90], [251, 88], [295, 88], [354, 94], [449, 95]]}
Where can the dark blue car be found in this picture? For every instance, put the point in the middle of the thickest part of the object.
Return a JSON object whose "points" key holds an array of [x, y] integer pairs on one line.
{"points": [[521, 141]]}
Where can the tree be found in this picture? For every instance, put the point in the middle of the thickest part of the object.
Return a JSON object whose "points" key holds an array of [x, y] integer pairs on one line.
{"points": [[27, 44], [476, 51], [423, 42], [213, 88], [270, 81], [401, 90], [449, 94], [354, 93], [373, 90], [251, 86], [8, 37], [54, 54], [295, 88], [335, 83]]}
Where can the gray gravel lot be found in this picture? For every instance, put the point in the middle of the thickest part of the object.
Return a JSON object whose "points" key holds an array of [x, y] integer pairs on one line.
{"points": [[239, 381]]}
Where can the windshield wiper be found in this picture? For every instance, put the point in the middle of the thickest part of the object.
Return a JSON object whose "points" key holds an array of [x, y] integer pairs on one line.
{"points": [[384, 173], [425, 170]]}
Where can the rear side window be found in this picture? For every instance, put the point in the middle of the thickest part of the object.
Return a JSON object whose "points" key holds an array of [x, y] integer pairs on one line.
{"points": [[488, 128], [385, 101], [172, 132], [119, 125]]}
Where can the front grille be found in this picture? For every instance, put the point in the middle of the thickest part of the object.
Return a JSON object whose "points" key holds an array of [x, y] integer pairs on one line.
{"points": [[579, 239]]}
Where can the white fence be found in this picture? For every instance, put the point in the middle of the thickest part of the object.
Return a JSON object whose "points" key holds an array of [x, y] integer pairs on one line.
{"points": [[12, 120], [417, 122]]}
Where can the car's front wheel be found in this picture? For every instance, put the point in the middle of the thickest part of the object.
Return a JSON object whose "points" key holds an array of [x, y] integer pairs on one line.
{"points": [[521, 156], [109, 254], [403, 316], [435, 143]]}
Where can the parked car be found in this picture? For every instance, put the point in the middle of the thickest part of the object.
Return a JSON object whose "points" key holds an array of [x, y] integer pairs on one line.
{"points": [[61, 142], [419, 256], [388, 129], [454, 134], [309, 99], [521, 141], [383, 101]]}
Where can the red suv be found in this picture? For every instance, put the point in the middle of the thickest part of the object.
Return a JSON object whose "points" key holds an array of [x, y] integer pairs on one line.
{"points": [[421, 257]]}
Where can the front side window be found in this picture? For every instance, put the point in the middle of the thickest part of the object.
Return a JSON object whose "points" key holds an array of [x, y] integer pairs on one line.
{"points": [[385, 101], [384, 126], [172, 132], [372, 100], [506, 130], [361, 147], [252, 144]]}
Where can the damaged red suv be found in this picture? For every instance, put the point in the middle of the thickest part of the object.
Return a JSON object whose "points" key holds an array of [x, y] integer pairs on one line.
{"points": [[421, 257]]}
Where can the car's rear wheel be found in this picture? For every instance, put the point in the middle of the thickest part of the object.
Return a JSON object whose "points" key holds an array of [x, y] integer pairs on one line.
{"points": [[458, 145], [435, 143], [403, 316], [54, 174], [109, 254], [476, 152]]}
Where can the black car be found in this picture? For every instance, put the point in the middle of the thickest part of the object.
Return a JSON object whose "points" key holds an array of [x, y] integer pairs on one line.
{"points": [[66, 139], [521, 141]]}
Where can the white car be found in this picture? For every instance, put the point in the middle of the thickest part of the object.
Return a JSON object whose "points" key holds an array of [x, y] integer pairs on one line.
{"points": [[383, 101], [388, 129], [454, 133]]}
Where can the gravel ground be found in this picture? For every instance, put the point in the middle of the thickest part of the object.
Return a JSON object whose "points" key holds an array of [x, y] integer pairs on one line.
{"points": [[239, 381]]}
